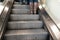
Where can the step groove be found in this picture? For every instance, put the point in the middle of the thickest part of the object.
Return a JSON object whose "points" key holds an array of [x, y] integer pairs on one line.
{"points": [[20, 6], [20, 11], [25, 24], [26, 17], [36, 34]]}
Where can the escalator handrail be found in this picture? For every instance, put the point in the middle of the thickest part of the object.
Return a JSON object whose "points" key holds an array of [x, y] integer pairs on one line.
{"points": [[4, 15], [51, 26]]}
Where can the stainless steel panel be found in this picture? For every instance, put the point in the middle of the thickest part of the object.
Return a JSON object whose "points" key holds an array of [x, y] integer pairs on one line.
{"points": [[1, 8], [52, 8], [52, 21], [24, 24], [3, 16], [33, 34], [52, 28]]}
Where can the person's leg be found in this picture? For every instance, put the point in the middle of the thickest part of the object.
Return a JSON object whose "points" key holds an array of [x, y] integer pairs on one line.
{"points": [[24, 1], [31, 6], [27, 1], [35, 6], [20, 1]]}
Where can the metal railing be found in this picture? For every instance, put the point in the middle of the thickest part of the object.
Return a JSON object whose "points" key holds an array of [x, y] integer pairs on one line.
{"points": [[4, 14], [51, 26]]}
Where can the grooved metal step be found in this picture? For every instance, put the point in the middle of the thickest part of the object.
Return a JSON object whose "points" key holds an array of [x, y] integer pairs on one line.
{"points": [[21, 6], [20, 11], [32, 34], [16, 3], [26, 17], [24, 24]]}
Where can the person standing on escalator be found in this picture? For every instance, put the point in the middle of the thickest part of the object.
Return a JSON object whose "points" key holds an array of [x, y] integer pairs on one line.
{"points": [[33, 6], [23, 1]]}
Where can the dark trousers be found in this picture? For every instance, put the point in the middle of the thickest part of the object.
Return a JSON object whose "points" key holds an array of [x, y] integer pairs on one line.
{"points": [[23, 1], [1, 0]]}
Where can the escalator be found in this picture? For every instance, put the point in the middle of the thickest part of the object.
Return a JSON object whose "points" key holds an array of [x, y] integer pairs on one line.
{"points": [[24, 26], [19, 24]]}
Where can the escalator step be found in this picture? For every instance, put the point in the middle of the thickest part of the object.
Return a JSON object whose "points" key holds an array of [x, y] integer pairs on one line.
{"points": [[20, 11], [24, 24], [20, 6], [16, 3], [26, 17], [33, 34]]}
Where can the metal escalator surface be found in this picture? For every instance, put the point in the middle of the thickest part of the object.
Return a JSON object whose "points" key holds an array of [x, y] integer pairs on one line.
{"points": [[4, 12], [24, 26], [50, 17]]}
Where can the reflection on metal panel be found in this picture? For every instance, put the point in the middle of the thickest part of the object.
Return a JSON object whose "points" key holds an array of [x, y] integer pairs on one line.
{"points": [[53, 9], [54, 31], [1, 8], [4, 15]]}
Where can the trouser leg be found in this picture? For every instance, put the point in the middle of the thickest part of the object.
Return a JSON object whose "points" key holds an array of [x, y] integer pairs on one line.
{"points": [[25, 1], [20, 1]]}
